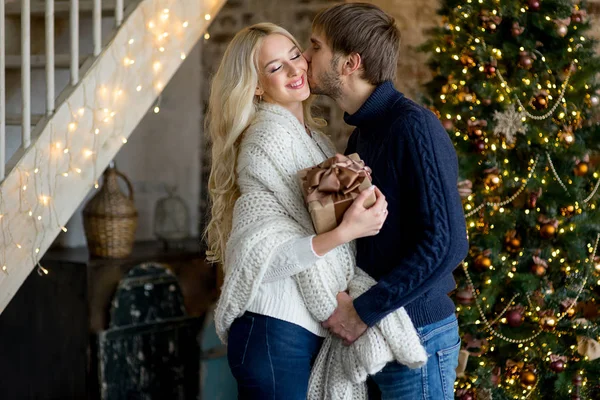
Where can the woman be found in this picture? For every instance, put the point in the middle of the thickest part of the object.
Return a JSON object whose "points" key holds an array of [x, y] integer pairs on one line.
{"points": [[281, 280], [260, 103]]}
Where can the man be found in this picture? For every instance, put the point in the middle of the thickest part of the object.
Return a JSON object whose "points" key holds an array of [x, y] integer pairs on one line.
{"points": [[353, 59]]}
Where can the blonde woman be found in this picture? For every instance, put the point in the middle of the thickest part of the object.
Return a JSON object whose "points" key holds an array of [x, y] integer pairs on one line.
{"points": [[262, 133]]}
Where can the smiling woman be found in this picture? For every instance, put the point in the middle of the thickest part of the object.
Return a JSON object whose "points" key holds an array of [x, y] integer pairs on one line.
{"points": [[258, 66], [262, 134], [282, 78]]}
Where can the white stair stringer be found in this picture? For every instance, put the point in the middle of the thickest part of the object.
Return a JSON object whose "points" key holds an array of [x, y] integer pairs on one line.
{"points": [[111, 98]]}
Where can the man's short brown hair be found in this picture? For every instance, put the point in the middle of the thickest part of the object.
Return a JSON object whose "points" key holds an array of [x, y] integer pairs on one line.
{"points": [[364, 29]]}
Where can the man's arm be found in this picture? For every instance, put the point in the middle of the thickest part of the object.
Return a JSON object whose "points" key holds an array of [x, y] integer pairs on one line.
{"points": [[420, 269]]}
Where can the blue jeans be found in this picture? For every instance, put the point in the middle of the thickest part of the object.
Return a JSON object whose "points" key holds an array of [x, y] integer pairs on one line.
{"points": [[434, 380], [271, 359]]}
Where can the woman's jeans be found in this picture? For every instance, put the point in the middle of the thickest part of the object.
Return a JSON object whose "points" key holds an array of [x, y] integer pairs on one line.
{"points": [[434, 380], [271, 359]]}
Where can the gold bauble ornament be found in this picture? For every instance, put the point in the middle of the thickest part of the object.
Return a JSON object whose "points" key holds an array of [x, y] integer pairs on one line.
{"points": [[483, 263], [547, 231], [528, 378], [566, 137], [548, 323], [568, 211], [582, 168], [540, 102], [467, 61], [465, 96], [512, 241], [538, 269], [492, 181]]}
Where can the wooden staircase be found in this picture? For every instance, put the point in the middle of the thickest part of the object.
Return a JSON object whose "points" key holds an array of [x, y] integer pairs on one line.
{"points": [[63, 147]]}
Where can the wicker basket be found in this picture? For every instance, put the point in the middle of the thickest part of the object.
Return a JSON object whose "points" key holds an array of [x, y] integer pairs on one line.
{"points": [[110, 218]]}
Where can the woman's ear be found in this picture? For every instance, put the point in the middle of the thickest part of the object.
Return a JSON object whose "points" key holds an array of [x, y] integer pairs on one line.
{"points": [[353, 62], [259, 91]]}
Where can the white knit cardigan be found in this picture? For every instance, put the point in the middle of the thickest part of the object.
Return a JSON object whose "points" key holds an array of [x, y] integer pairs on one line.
{"points": [[270, 212]]}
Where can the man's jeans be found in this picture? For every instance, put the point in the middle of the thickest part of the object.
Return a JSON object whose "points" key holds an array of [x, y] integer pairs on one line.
{"points": [[271, 359], [434, 380]]}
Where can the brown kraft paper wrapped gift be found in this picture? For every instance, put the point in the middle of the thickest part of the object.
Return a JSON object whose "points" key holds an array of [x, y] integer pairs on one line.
{"points": [[330, 188]]}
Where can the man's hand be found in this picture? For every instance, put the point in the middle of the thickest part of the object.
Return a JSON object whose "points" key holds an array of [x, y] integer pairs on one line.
{"points": [[345, 322]]}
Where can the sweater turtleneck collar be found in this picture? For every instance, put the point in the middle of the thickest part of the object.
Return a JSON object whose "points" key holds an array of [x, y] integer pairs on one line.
{"points": [[376, 105]]}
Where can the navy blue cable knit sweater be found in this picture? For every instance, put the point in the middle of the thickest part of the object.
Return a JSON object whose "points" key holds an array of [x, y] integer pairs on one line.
{"points": [[424, 237]]}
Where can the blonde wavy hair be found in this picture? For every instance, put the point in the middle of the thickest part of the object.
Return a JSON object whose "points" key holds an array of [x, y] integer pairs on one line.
{"points": [[231, 109]]}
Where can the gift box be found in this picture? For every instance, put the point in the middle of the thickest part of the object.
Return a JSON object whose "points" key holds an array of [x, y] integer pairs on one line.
{"points": [[330, 189]]}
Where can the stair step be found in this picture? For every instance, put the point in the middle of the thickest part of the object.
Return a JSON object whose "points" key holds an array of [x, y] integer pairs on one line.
{"points": [[16, 119], [39, 61], [61, 8]]}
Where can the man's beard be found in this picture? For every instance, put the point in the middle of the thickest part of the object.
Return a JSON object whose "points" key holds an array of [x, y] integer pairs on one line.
{"points": [[330, 82]]}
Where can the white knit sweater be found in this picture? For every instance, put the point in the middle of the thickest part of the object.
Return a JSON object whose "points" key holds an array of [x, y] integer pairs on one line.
{"points": [[271, 212], [291, 258], [274, 130]]}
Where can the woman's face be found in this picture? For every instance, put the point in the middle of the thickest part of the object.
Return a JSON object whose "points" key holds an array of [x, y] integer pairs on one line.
{"points": [[281, 71]]}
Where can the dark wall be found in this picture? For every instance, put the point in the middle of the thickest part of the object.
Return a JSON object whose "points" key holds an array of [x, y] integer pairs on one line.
{"points": [[43, 337]]}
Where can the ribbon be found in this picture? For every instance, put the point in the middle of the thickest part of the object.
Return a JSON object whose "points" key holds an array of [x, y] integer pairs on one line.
{"points": [[465, 188], [513, 367], [588, 347], [463, 358], [563, 21], [542, 219], [330, 188], [539, 261], [337, 178], [556, 357], [496, 376]]}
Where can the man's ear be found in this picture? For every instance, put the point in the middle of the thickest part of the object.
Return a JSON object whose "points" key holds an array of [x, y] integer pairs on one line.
{"points": [[353, 63]]}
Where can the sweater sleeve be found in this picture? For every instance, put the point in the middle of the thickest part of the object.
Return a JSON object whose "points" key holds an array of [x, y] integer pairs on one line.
{"points": [[291, 258], [423, 265]]}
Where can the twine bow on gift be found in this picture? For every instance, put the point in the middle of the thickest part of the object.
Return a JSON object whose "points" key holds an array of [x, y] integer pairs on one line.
{"points": [[336, 178]]}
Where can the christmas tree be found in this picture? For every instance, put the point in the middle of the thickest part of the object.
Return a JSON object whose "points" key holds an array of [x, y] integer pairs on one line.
{"points": [[515, 87]]}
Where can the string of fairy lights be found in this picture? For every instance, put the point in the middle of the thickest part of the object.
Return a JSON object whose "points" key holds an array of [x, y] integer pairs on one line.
{"points": [[164, 33]]}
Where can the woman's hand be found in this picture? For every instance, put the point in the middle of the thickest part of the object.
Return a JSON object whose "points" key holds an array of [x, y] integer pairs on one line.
{"points": [[360, 221]]}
